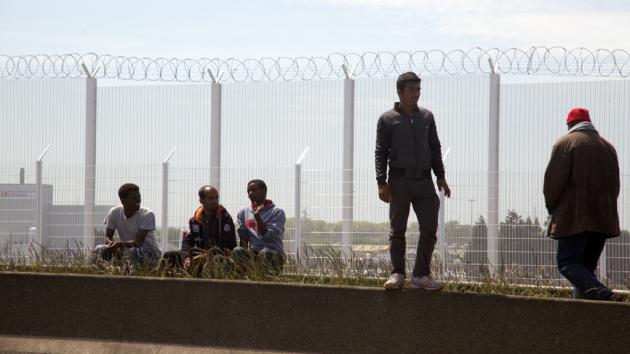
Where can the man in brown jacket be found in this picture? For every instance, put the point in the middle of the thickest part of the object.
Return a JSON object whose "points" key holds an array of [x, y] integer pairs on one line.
{"points": [[581, 190]]}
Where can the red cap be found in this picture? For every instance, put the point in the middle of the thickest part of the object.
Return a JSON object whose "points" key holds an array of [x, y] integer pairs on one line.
{"points": [[578, 115]]}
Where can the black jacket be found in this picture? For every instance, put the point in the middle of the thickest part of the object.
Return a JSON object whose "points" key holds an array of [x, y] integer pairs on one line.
{"points": [[205, 234], [410, 145]]}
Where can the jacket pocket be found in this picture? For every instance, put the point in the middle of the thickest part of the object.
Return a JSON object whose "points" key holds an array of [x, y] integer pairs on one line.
{"points": [[393, 154]]}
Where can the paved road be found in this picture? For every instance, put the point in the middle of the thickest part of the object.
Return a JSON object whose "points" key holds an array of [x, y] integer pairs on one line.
{"points": [[24, 345]]}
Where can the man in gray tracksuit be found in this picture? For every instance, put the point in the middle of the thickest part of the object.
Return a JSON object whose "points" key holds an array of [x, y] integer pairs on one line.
{"points": [[261, 230], [407, 140]]}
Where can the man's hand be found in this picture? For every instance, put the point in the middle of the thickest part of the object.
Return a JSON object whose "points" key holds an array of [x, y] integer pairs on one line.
{"points": [[443, 186], [115, 246], [108, 242], [259, 209], [549, 209], [260, 224], [187, 263], [199, 257], [384, 193]]}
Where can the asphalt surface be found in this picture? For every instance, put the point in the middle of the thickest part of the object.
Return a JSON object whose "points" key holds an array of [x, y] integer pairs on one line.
{"points": [[28, 345]]}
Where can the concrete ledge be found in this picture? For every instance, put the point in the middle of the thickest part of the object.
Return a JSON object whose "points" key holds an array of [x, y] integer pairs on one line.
{"points": [[288, 317]]}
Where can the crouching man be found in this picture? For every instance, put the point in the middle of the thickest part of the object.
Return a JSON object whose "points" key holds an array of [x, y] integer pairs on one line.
{"points": [[136, 229], [210, 237], [261, 231]]}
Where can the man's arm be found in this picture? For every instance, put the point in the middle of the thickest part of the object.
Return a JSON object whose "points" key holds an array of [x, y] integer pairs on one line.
{"points": [[437, 164], [146, 225], [381, 152], [109, 235], [618, 179], [110, 228], [381, 157], [274, 226], [260, 223], [556, 177], [141, 235]]}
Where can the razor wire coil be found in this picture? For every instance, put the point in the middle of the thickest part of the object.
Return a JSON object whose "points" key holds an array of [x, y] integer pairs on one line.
{"points": [[535, 60]]}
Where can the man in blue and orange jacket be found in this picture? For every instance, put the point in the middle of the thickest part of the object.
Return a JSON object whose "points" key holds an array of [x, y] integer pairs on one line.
{"points": [[211, 233]]}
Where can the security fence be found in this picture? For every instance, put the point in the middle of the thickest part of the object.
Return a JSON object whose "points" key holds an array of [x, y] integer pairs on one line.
{"points": [[67, 144]]}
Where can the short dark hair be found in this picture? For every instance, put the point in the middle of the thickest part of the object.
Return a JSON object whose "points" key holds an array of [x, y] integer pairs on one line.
{"points": [[202, 191], [125, 189], [404, 78], [259, 182]]}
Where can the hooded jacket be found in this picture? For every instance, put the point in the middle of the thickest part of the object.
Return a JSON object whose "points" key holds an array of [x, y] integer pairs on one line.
{"points": [[273, 217]]}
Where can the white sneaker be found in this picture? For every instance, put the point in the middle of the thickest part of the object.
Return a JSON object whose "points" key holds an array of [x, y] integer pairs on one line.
{"points": [[425, 283], [395, 282]]}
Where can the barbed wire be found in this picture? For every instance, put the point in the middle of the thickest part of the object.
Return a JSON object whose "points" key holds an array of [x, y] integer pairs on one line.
{"points": [[536, 60]]}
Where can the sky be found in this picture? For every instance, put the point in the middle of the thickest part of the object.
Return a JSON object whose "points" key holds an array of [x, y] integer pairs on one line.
{"points": [[293, 28], [274, 28]]}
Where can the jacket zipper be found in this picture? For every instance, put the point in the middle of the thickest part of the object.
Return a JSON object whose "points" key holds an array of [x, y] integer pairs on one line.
{"points": [[220, 229], [415, 148]]}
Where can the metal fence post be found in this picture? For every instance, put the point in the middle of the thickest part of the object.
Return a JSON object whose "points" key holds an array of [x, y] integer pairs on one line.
{"points": [[40, 213], [601, 264], [164, 233], [90, 159], [297, 247], [215, 132], [348, 163], [40, 196], [442, 223], [493, 169], [441, 232]]}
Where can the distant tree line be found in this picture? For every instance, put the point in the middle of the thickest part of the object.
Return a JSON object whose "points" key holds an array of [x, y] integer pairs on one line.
{"points": [[522, 244]]}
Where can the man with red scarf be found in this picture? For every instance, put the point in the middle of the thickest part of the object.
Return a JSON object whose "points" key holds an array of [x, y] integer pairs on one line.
{"points": [[260, 229]]}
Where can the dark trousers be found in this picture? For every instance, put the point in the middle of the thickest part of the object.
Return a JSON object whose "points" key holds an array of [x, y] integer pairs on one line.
{"points": [[426, 204], [174, 260], [270, 259], [577, 260]]}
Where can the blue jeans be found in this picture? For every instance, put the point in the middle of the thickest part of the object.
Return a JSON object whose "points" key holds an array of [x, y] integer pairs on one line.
{"points": [[577, 260], [137, 255]]}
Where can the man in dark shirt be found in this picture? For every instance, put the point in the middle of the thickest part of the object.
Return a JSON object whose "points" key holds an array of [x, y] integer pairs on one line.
{"points": [[210, 235], [407, 141]]}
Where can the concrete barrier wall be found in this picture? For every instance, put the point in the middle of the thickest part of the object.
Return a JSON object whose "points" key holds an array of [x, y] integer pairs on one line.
{"points": [[304, 318]]}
